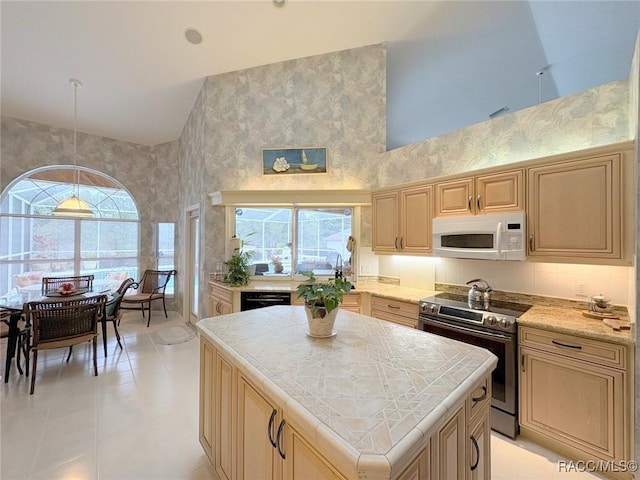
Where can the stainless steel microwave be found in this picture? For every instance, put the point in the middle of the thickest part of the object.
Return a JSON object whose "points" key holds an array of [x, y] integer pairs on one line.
{"points": [[498, 236]]}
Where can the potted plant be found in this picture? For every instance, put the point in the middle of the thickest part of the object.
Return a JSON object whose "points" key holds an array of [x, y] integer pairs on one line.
{"points": [[238, 267], [321, 302]]}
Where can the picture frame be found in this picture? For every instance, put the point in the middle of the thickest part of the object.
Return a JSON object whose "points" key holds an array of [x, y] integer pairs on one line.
{"points": [[294, 161]]}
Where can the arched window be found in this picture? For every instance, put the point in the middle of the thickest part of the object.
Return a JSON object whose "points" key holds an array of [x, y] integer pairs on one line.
{"points": [[36, 243]]}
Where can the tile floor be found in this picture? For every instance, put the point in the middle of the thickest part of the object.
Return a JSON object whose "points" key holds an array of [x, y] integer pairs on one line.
{"points": [[139, 418]]}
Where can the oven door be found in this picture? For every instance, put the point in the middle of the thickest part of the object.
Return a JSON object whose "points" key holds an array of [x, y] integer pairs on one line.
{"points": [[502, 345]]}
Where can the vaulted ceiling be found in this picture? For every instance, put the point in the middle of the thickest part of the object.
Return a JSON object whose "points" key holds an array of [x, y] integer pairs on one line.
{"points": [[450, 63]]}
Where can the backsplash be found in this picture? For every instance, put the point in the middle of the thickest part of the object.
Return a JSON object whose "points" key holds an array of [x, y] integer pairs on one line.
{"points": [[558, 280]]}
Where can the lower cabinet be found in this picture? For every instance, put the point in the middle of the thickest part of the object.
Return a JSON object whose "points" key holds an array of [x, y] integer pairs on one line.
{"points": [[221, 300], [246, 435], [403, 313], [574, 396]]}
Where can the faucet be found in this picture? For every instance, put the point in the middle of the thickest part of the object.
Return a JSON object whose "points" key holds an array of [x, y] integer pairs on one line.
{"points": [[339, 266]]}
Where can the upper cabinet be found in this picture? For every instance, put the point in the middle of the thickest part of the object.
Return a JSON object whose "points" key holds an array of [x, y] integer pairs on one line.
{"points": [[492, 193], [575, 208], [402, 220]]}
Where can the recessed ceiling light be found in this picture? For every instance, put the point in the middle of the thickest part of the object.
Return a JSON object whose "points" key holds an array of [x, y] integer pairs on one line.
{"points": [[193, 36], [279, 3]]}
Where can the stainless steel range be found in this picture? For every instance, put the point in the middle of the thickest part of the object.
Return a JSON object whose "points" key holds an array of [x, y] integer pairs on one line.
{"points": [[493, 328]]}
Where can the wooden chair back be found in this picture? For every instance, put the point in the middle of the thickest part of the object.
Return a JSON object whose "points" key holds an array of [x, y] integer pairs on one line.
{"points": [[81, 282], [64, 323], [155, 281]]}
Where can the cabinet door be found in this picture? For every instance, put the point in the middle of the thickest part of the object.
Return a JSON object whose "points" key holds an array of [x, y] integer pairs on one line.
{"points": [[420, 468], [385, 222], [479, 449], [500, 192], [416, 207], [578, 404], [455, 198], [224, 419], [302, 461], [574, 209], [258, 420], [207, 379], [452, 448]]}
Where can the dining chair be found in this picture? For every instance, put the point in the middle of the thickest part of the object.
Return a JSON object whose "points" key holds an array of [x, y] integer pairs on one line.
{"points": [[113, 313], [20, 338], [63, 323], [151, 287], [80, 282]]}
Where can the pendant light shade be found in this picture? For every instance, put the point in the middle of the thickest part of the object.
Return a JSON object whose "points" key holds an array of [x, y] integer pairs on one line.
{"points": [[74, 206]]}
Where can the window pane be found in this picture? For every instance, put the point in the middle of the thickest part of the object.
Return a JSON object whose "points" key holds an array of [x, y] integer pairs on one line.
{"points": [[165, 249], [266, 232], [322, 239]]}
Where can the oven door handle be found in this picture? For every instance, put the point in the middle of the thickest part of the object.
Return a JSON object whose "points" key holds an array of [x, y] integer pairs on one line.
{"points": [[478, 333]]}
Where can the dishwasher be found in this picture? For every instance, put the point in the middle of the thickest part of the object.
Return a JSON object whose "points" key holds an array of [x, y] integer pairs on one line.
{"points": [[253, 300]]}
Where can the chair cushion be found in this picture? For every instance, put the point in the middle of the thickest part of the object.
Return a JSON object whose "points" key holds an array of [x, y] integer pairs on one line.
{"points": [[141, 297], [112, 305]]}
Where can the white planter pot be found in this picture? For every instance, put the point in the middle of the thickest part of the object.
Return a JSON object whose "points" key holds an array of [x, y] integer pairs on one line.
{"points": [[321, 327]]}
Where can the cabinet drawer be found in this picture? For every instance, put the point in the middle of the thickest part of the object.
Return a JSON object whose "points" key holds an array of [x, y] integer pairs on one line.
{"points": [[221, 293], [596, 351], [479, 398], [395, 307], [395, 318], [351, 300]]}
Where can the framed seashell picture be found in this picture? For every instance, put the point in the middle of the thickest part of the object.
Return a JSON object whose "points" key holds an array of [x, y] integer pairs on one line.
{"points": [[289, 161]]}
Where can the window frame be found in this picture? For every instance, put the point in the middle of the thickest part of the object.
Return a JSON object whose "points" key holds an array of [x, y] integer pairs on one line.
{"points": [[230, 231]]}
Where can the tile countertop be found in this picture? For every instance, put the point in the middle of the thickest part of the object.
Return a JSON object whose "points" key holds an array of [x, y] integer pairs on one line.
{"points": [[366, 396], [571, 321]]}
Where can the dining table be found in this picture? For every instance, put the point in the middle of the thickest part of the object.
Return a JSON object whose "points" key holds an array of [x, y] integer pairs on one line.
{"points": [[16, 305]]}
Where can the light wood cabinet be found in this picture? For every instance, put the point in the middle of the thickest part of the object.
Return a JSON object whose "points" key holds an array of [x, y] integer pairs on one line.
{"points": [[491, 193], [247, 435], [403, 313], [452, 453], [221, 300], [224, 410], [402, 220], [207, 392], [574, 395], [574, 209], [258, 420]]}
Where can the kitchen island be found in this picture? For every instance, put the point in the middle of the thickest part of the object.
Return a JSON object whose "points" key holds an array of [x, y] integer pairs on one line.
{"points": [[377, 401]]}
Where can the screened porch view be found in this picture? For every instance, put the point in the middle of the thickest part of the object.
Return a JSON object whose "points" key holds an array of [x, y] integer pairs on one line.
{"points": [[35, 243], [289, 241]]}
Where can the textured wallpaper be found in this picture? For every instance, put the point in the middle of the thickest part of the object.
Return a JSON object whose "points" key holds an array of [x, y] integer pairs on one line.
{"points": [[335, 101], [598, 116]]}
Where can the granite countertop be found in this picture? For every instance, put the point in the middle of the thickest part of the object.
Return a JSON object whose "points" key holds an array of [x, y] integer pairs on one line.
{"points": [[386, 290], [571, 321], [365, 396]]}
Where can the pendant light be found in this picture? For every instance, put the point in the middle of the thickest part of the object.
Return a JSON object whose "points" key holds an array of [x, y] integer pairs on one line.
{"points": [[74, 206]]}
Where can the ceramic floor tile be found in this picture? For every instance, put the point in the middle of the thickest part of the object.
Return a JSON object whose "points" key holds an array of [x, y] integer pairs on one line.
{"points": [[138, 419]]}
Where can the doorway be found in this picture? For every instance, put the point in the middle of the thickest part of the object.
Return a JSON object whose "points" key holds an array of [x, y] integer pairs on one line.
{"points": [[192, 241]]}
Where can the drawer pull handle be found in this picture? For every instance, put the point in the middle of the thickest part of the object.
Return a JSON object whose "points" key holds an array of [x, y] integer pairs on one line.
{"points": [[395, 307], [279, 438], [560, 344], [469, 202], [269, 428], [481, 397], [478, 202], [477, 449], [531, 243]]}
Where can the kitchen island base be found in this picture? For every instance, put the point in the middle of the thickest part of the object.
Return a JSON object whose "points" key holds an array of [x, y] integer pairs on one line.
{"points": [[272, 408]]}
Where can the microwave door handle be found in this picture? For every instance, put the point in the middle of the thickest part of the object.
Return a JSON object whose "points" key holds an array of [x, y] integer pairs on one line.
{"points": [[499, 239]]}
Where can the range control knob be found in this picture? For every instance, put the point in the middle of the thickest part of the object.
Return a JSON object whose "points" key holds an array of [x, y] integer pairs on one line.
{"points": [[433, 309], [505, 323], [492, 321]]}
